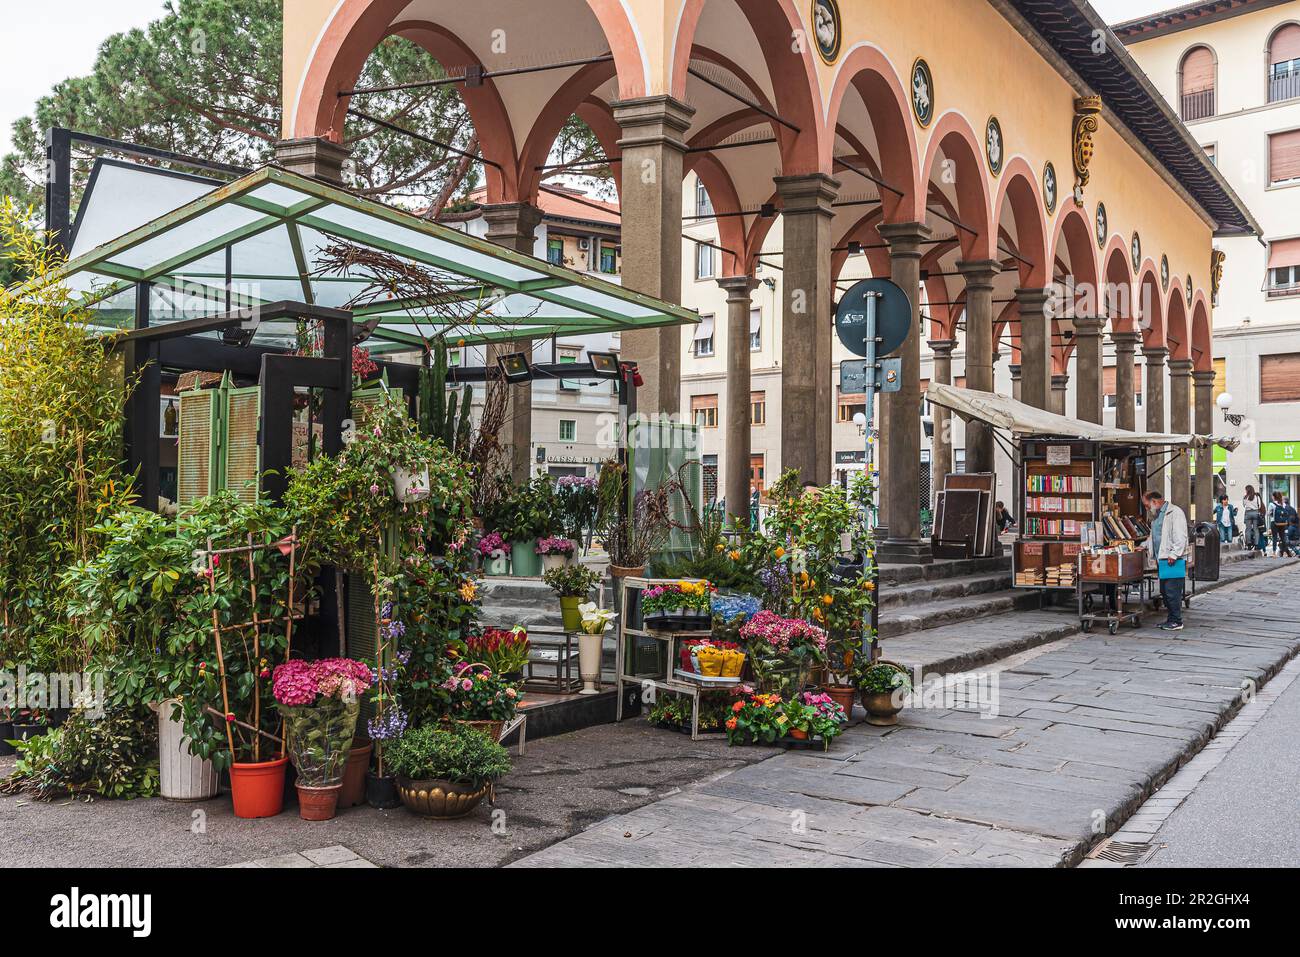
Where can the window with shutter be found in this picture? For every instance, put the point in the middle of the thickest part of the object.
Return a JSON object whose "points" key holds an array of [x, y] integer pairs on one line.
{"points": [[198, 447], [704, 408], [1284, 64], [1279, 377], [1220, 377], [1197, 84], [1284, 156], [243, 455]]}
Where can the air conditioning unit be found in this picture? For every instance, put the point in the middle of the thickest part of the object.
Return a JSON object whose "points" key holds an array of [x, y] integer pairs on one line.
{"points": [[584, 244]]}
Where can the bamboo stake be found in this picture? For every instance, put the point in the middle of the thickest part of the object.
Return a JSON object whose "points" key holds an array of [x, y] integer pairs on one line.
{"points": [[288, 630], [247, 727], [257, 652], [379, 659], [221, 658]]}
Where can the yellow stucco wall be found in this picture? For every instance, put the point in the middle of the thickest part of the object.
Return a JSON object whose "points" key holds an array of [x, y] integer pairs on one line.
{"points": [[981, 66]]}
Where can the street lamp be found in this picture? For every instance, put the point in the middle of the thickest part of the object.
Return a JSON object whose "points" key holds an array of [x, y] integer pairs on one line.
{"points": [[1224, 402]]}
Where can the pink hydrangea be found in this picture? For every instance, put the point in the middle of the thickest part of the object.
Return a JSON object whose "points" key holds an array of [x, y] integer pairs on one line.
{"points": [[297, 683], [293, 684]]}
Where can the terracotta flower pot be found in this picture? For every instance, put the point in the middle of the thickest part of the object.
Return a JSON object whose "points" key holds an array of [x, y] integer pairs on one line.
{"points": [[257, 790], [881, 710], [354, 776], [318, 804], [440, 799], [798, 734], [844, 696]]}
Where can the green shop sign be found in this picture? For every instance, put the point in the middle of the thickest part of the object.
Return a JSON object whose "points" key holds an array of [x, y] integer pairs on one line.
{"points": [[1279, 457]]}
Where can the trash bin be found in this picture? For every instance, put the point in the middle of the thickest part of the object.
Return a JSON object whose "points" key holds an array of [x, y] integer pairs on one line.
{"points": [[1206, 543]]}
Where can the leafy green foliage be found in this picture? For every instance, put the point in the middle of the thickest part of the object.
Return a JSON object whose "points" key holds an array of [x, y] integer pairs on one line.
{"points": [[113, 756], [454, 753], [439, 417], [572, 581]]}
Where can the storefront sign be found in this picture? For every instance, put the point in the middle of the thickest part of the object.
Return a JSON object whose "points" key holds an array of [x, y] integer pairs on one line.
{"points": [[1058, 455], [1279, 458]]}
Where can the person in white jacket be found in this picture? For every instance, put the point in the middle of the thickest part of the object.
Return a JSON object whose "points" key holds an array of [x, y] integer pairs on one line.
{"points": [[1169, 547]]}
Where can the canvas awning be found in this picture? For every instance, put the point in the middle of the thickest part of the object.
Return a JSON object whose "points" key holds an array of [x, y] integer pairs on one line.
{"points": [[1023, 420], [257, 239]]}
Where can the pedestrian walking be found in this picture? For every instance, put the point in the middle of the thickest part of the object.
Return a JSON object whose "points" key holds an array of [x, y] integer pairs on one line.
{"points": [[1279, 520], [1225, 515], [1252, 513], [1169, 549]]}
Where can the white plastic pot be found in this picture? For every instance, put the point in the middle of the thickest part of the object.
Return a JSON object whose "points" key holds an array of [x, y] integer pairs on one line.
{"points": [[182, 776], [558, 560], [410, 486]]}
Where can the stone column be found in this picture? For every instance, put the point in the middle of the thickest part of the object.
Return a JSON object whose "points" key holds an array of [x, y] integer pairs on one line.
{"points": [[1060, 385], [1087, 370], [1203, 498], [1035, 347], [979, 355], [1014, 369], [941, 445], [806, 398], [1125, 409], [652, 146], [514, 226], [901, 468], [1155, 412], [1180, 422], [736, 478], [314, 157]]}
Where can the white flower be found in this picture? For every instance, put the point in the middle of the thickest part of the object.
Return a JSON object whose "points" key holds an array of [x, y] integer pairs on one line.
{"points": [[595, 621]]}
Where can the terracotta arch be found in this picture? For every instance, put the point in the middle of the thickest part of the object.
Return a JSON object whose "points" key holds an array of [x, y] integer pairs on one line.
{"points": [[1177, 332], [1148, 307], [486, 110], [1008, 317], [1117, 293], [867, 70], [1074, 235], [794, 76], [1019, 187], [954, 136], [564, 103], [356, 27], [737, 260], [1201, 340]]}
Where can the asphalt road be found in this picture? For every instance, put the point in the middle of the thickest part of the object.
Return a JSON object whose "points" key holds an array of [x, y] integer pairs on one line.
{"points": [[1244, 812]]}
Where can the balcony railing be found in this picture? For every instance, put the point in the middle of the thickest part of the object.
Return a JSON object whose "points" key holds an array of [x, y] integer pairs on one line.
{"points": [[1283, 86], [1198, 105], [1280, 291]]}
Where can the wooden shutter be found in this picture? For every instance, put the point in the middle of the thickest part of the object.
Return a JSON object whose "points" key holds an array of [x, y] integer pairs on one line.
{"points": [[199, 446], [1198, 71], [1284, 156], [243, 454], [1285, 45], [1279, 377], [1220, 377], [1283, 253], [1108, 380]]}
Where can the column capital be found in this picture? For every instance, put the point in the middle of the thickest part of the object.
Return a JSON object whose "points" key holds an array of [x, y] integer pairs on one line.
{"points": [[1126, 340], [1014, 369], [1060, 382], [1155, 355], [314, 157], [811, 193], [653, 121], [979, 272], [942, 348], [1181, 367], [1033, 298], [738, 288], [1088, 326], [1204, 378], [904, 238], [512, 224]]}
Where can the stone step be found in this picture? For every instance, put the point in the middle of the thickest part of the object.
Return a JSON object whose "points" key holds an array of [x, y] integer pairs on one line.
{"points": [[947, 568], [893, 596], [905, 619]]}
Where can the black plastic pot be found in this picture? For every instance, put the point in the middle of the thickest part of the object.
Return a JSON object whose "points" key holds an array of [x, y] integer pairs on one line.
{"points": [[24, 731], [382, 793], [6, 732], [57, 717]]}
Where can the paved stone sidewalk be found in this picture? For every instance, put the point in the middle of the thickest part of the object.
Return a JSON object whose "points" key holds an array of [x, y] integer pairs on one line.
{"points": [[1085, 730], [329, 857]]}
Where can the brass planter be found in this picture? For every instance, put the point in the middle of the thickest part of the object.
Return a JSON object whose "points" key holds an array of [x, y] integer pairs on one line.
{"points": [[881, 710], [438, 798]]}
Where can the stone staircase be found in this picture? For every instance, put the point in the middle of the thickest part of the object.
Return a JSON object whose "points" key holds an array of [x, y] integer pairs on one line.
{"points": [[921, 597]]}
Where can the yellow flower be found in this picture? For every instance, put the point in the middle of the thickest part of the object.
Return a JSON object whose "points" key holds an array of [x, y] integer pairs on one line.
{"points": [[828, 599], [719, 547], [469, 590], [735, 555], [780, 552]]}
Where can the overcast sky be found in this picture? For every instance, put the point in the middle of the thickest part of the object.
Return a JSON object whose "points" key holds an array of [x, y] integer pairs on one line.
{"points": [[46, 41]]}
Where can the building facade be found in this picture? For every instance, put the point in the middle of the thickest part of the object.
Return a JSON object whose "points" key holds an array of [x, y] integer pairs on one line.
{"points": [[1232, 71]]}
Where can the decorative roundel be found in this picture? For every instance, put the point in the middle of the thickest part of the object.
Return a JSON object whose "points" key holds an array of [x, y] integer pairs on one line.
{"points": [[922, 92], [994, 148], [1103, 225], [1050, 187], [1191, 290], [1135, 250], [826, 28], [1164, 273]]}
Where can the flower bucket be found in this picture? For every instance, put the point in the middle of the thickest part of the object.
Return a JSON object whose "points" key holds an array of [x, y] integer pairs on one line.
{"points": [[410, 486], [524, 560], [257, 790], [320, 739], [182, 776], [569, 612], [497, 566], [554, 561], [354, 776], [318, 804]]}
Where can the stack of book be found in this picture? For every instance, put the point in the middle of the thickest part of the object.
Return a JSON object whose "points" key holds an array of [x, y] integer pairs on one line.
{"points": [[1031, 577], [1060, 576]]}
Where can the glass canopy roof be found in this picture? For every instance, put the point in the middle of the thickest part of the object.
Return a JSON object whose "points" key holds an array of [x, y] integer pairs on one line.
{"points": [[260, 239]]}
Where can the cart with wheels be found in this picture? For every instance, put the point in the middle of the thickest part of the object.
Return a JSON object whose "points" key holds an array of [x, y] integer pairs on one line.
{"points": [[1117, 576]]}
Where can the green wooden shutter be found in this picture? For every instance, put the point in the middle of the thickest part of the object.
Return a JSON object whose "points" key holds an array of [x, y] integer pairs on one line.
{"points": [[242, 453], [199, 448]]}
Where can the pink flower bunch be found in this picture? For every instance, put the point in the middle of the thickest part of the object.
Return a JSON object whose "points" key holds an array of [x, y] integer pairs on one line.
{"points": [[783, 634], [491, 544], [554, 546], [297, 683]]}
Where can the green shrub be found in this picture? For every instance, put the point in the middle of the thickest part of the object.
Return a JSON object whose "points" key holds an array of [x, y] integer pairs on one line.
{"points": [[112, 756], [457, 753]]}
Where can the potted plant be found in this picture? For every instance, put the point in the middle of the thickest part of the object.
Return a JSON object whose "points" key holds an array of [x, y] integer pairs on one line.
{"points": [[353, 792], [678, 606], [576, 495], [591, 645], [756, 719], [631, 534], [572, 583], [556, 552], [822, 716], [183, 775], [444, 772], [383, 729], [495, 552], [320, 703], [783, 651], [883, 686], [504, 652], [481, 698], [29, 723], [6, 732]]}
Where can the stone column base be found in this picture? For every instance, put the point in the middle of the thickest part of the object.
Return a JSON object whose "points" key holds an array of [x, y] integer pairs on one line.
{"points": [[905, 552]]}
